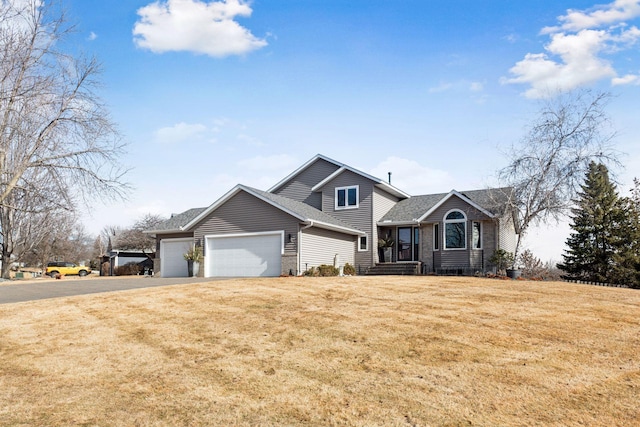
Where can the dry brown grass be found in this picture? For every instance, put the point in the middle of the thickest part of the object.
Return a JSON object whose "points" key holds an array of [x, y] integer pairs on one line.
{"points": [[326, 351]]}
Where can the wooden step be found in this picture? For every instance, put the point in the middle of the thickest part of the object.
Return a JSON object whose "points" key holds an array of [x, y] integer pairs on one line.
{"points": [[395, 269]]}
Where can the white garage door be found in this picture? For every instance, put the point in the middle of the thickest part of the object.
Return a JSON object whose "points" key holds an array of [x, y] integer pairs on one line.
{"points": [[253, 255], [172, 262]]}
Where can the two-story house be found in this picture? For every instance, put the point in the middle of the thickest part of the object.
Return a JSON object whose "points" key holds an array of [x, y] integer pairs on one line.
{"points": [[326, 212]]}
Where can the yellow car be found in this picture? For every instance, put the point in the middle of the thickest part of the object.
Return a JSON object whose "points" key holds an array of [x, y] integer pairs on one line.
{"points": [[66, 269]]}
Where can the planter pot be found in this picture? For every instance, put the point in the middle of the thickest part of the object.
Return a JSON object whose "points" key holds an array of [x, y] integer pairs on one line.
{"points": [[513, 273], [189, 268], [388, 254], [195, 269]]}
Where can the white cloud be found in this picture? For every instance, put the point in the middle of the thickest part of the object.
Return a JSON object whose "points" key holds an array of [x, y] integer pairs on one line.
{"points": [[411, 177], [626, 80], [576, 20], [580, 64], [180, 132], [461, 85], [575, 55], [92, 36], [442, 87], [195, 26]]}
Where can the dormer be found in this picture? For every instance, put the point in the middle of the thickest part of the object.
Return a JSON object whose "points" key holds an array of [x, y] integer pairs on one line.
{"points": [[307, 183]]}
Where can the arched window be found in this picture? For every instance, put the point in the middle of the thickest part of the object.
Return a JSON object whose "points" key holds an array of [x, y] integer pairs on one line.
{"points": [[455, 230]]}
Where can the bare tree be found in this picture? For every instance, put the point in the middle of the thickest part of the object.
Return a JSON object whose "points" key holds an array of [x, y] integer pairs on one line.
{"points": [[34, 238], [53, 126], [108, 236], [134, 238], [547, 166]]}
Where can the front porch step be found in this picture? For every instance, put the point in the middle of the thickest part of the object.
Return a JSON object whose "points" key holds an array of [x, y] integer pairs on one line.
{"points": [[395, 269]]}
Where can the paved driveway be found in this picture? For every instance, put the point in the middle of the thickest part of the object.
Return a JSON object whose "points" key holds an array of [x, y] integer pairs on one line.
{"points": [[48, 288]]}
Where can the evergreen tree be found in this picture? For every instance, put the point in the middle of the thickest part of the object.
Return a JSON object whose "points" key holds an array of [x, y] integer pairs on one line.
{"points": [[596, 221], [627, 258]]}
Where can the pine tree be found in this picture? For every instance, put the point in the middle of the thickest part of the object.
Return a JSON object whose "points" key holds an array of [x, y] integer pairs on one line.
{"points": [[596, 225], [627, 258]]}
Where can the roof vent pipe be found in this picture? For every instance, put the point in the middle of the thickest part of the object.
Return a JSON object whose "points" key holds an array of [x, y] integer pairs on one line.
{"points": [[389, 177]]}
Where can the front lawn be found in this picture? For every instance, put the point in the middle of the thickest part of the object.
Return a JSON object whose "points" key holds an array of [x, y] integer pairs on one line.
{"points": [[360, 351]]}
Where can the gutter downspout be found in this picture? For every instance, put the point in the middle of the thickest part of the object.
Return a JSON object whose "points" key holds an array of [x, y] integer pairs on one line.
{"points": [[309, 224]]}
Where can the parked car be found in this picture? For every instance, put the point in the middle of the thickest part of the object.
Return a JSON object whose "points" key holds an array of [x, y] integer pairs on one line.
{"points": [[66, 269]]}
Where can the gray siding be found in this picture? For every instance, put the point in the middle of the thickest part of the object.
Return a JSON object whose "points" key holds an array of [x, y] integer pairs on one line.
{"points": [[426, 246], [382, 203], [472, 258], [319, 246], [244, 213], [361, 218], [506, 234], [455, 202], [299, 187], [468, 258]]}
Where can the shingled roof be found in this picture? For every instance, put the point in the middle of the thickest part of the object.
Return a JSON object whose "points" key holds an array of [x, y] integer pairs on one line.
{"points": [[303, 210], [494, 201], [177, 221], [305, 213]]}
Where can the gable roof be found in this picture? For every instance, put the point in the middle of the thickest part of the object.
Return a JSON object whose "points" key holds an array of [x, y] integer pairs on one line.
{"points": [[341, 168], [301, 169], [492, 202], [176, 222], [377, 182], [303, 212]]}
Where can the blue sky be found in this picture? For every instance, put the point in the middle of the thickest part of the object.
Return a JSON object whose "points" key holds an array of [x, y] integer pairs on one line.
{"points": [[212, 94]]}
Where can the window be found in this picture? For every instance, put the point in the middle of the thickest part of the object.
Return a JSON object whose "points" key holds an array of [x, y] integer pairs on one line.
{"points": [[436, 237], [455, 230], [476, 235], [405, 249], [363, 243], [347, 197]]}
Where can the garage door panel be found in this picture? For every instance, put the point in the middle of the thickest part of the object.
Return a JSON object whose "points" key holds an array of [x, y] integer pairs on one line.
{"points": [[245, 256], [172, 252]]}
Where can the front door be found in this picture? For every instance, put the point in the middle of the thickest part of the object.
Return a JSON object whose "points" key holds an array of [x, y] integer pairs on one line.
{"points": [[408, 242]]}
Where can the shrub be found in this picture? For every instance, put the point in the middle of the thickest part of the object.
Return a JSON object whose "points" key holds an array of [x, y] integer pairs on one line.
{"points": [[328, 270], [532, 267], [312, 272], [502, 260], [130, 269], [349, 270]]}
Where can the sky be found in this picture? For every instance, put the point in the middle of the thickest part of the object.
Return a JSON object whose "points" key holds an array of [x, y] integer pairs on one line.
{"points": [[210, 94]]}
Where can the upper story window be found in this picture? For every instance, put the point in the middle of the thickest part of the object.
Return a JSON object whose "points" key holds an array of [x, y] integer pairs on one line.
{"points": [[347, 197], [455, 230]]}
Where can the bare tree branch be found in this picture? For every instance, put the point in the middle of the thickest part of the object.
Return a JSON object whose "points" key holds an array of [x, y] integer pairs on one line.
{"points": [[546, 167]]}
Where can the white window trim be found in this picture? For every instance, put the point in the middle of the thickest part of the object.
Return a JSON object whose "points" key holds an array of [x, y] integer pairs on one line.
{"points": [[366, 241], [480, 231], [445, 221], [346, 189]]}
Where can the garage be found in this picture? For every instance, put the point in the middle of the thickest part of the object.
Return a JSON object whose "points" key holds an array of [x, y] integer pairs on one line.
{"points": [[244, 255], [172, 255]]}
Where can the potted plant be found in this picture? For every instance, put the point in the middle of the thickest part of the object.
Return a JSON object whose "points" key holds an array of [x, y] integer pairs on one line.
{"points": [[193, 258], [386, 244]]}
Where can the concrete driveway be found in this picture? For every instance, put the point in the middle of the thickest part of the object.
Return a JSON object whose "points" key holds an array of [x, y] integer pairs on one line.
{"points": [[48, 288]]}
